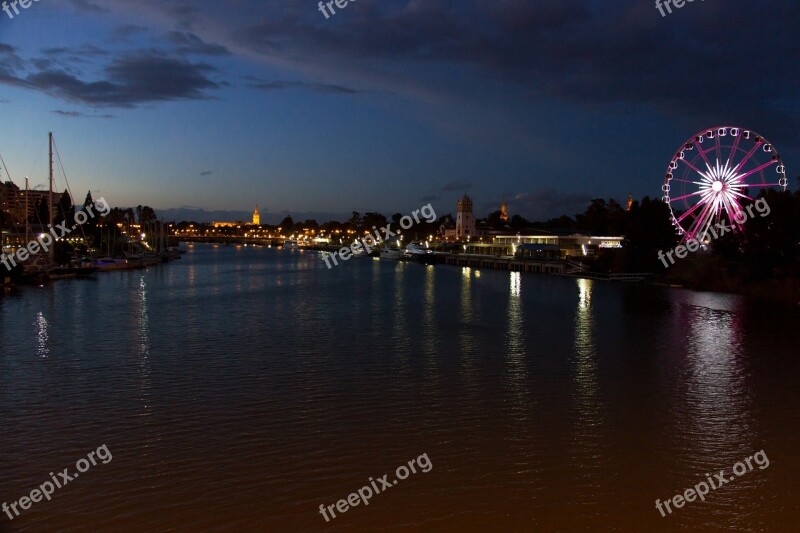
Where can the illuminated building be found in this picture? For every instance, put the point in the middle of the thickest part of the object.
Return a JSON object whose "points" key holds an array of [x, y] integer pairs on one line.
{"points": [[465, 219]]}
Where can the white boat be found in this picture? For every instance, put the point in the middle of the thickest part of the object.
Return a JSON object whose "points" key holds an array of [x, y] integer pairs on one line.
{"points": [[290, 244], [391, 253], [418, 253], [361, 252]]}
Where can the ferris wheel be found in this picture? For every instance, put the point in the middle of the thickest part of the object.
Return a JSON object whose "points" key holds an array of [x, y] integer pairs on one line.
{"points": [[713, 172]]}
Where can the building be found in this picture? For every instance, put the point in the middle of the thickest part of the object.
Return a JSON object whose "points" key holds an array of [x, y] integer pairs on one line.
{"points": [[12, 201], [575, 245], [465, 219], [256, 221]]}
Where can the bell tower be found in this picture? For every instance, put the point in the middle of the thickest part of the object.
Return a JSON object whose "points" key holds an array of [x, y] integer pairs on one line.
{"points": [[465, 219]]}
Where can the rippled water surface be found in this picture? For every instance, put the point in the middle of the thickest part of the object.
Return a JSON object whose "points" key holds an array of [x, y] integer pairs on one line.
{"points": [[240, 388]]}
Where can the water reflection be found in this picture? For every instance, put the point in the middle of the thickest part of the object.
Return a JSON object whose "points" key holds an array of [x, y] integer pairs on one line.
{"points": [[466, 295], [466, 336], [586, 394], [376, 301], [587, 401], [516, 284], [142, 328], [429, 312], [42, 337], [401, 333], [716, 397], [515, 344]]}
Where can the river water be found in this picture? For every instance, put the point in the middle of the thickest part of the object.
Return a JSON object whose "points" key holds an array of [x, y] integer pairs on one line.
{"points": [[240, 388]]}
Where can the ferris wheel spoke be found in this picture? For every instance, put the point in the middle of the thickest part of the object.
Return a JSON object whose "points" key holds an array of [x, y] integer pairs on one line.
{"points": [[702, 153], [735, 146], [704, 229], [732, 205], [687, 196], [761, 167], [763, 185], [689, 181], [689, 212], [747, 157], [704, 220], [688, 164], [740, 195]]}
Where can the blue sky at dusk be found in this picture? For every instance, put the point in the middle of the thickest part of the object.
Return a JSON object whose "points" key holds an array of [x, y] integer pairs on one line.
{"points": [[388, 104]]}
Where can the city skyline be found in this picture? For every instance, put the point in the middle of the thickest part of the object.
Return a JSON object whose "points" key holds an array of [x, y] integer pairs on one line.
{"points": [[385, 104]]}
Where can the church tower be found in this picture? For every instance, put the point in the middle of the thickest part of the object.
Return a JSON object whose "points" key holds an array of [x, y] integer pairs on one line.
{"points": [[256, 217], [465, 219], [504, 211]]}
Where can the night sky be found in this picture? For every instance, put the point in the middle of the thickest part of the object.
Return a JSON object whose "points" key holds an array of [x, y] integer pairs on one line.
{"points": [[387, 105]]}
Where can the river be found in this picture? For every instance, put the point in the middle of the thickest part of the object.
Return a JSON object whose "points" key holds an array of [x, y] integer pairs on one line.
{"points": [[241, 388]]}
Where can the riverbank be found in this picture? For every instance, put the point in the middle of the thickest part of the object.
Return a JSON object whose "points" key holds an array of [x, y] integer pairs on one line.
{"points": [[715, 275]]}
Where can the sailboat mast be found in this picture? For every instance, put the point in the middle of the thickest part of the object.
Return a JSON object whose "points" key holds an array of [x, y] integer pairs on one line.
{"points": [[27, 215], [50, 196]]}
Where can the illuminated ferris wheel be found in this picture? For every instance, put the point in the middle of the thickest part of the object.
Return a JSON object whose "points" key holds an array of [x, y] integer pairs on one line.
{"points": [[713, 172]]}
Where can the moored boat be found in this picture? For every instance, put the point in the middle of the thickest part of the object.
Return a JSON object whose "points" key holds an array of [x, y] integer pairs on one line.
{"points": [[418, 253], [391, 253], [105, 264]]}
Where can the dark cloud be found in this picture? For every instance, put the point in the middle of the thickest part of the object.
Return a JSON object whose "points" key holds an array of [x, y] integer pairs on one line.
{"points": [[9, 60], [75, 53], [86, 5], [125, 31], [78, 114], [303, 85], [185, 14], [70, 59], [458, 185], [432, 198], [543, 204], [706, 61], [130, 81], [191, 44]]}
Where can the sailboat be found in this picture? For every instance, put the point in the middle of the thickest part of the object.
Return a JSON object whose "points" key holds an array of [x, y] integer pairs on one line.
{"points": [[43, 266]]}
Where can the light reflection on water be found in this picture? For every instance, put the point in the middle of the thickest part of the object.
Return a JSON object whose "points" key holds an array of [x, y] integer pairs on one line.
{"points": [[42, 349], [240, 388], [716, 403], [142, 329]]}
